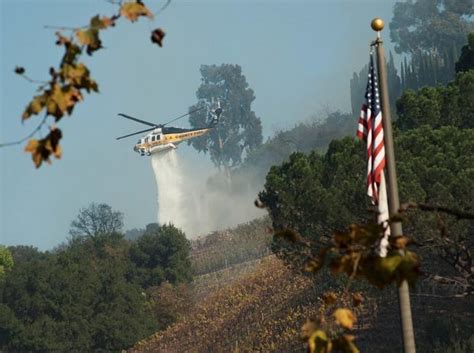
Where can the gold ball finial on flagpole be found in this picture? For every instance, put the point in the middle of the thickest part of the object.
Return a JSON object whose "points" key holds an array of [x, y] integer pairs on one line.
{"points": [[377, 24]]}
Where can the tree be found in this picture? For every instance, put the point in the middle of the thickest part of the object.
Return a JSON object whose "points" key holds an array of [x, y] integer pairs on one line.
{"points": [[6, 260], [439, 106], [358, 85], [311, 197], [466, 60], [161, 253], [96, 219], [431, 26], [315, 194], [303, 137], [78, 299], [239, 130], [25, 253]]}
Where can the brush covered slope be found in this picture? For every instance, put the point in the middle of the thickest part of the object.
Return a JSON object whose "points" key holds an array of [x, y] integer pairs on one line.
{"points": [[262, 311]]}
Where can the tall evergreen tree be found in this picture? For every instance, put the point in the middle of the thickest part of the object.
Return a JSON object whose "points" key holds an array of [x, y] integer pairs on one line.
{"points": [[239, 130], [466, 60]]}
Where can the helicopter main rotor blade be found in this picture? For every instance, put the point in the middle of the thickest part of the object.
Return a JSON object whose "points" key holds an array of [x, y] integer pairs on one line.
{"points": [[138, 120], [136, 133], [182, 116]]}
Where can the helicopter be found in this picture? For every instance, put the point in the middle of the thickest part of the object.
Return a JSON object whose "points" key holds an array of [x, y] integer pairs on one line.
{"points": [[162, 138]]}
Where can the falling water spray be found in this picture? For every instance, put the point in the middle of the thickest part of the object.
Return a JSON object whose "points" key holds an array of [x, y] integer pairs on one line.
{"points": [[170, 189]]}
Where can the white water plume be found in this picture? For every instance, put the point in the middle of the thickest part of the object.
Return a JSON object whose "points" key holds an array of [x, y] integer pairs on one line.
{"points": [[169, 183], [187, 198]]}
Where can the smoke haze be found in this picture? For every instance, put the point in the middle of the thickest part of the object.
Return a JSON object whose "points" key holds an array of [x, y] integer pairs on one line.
{"points": [[200, 202]]}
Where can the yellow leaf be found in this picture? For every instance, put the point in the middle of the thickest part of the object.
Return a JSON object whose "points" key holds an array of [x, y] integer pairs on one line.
{"points": [[85, 37], [318, 342], [35, 106], [100, 23], [74, 74], [409, 267], [37, 159], [345, 318], [107, 22], [90, 38], [386, 266], [58, 152], [70, 56], [133, 10], [32, 145]]}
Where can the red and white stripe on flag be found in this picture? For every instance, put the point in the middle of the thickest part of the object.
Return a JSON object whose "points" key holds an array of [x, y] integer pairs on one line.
{"points": [[370, 129]]}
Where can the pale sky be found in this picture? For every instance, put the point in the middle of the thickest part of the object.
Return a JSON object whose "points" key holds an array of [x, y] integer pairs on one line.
{"points": [[298, 57]]}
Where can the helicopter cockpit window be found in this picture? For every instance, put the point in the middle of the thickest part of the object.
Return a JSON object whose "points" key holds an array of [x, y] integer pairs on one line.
{"points": [[153, 138]]}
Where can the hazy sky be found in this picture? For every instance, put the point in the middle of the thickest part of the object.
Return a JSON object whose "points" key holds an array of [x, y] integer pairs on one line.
{"points": [[297, 56]]}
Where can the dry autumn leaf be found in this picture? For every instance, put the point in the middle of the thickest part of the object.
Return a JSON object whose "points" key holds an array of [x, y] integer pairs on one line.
{"points": [[329, 298], [318, 342], [357, 299], [345, 343], [35, 106], [345, 318], [157, 36], [133, 10]]}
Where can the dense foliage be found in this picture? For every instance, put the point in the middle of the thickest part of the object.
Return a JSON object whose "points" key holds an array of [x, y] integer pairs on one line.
{"points": [[316, 194], [466, 60], [239, 130], [430, 25], [451, 105], [358, 85], [78, 299], [6, 260], [161, 253], [93, 293], [431, 33]]}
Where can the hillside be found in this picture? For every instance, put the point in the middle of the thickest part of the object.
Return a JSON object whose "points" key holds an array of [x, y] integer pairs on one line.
{"points": [[251, 314], [252, 302]]}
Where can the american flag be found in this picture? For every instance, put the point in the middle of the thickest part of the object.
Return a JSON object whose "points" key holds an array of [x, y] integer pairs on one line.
{"points": [[371, 130]]}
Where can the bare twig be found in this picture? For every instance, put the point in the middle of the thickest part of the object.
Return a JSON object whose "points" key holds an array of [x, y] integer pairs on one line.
{"points": [[459, 214], [29, 79], [63, 28], [162, 8], [27, 137], [115, 2], [461, 295]]}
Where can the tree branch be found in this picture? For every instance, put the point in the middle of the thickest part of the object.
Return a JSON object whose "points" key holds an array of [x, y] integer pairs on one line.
{"points": [[29, 79], [63, 28], [159, 10], [27, 137], [459, 214]]}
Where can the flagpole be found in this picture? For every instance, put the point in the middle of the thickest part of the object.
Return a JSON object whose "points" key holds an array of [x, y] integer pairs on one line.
{"points": [[392, 189]]}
